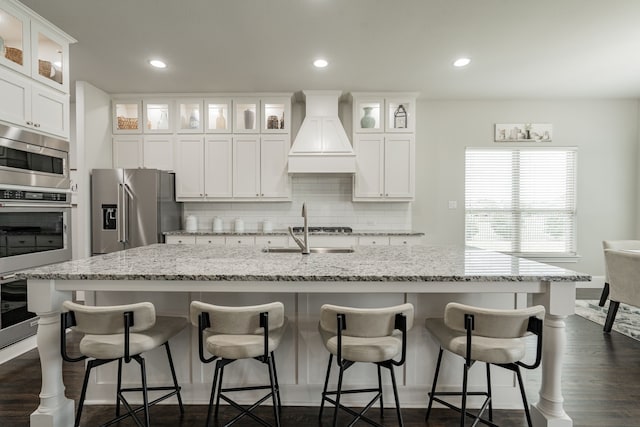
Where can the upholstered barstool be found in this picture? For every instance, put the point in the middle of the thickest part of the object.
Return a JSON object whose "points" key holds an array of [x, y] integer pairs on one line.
{"points": [[121, 333], [485, 335], [615, 245], [234, 333], [623, 269], [373, 335]]}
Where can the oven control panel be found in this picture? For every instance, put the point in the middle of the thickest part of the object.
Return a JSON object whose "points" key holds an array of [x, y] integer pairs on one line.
{"points": [[32, 196]]}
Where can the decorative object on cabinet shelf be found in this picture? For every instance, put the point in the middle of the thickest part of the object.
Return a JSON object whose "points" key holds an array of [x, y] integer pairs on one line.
{"points": [[221, 122], [273, 122], [368, 121], [45, 69], [163, 123], [400, 118], [1, 46], [127, 122], [194, 120], [282, 121], [249, 116], [523, 132], [13, 54]]}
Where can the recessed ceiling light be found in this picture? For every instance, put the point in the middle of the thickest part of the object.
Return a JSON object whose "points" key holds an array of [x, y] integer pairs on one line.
{"points": [[320, 63], [157, 63], [461, 62]]}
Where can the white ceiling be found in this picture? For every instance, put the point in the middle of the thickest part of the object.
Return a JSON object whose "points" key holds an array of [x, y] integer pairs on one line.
{"points": [[520, 48]]}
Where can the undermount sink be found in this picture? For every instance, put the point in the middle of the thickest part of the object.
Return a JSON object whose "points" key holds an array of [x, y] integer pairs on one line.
{"points": [[312, 250]]}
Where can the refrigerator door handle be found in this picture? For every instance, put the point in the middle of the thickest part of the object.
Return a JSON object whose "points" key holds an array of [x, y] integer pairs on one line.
{"points": [[127, 194], [120, 225]]}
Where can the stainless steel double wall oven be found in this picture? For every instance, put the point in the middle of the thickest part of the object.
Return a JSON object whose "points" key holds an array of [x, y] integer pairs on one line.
{"points": [[35, 214]]}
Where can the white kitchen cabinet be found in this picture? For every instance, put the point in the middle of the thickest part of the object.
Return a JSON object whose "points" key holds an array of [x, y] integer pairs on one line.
{"points": [[405, 240], [260, 167], [239, 241], [373, 241], [151, 152], [180, 240], [272, 241], [275, 114], [384, 167], [210, 240], [32, 105], [157, 116], [203, 167], [317, 241], [16, 33], [246, 115], [157, 152], [384, 143], [189, 117], [218, 115], [126, 115], [50, 56]]}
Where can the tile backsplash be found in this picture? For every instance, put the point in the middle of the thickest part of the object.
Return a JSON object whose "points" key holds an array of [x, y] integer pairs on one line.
{"points": [[328, 200]]}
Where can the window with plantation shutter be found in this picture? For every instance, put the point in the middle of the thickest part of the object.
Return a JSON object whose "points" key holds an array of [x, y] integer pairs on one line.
{"points": [[521, 200]]}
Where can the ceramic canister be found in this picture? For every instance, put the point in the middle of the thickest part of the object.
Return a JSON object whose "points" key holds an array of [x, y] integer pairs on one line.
{"points": [[191, 223], [217, 224], [238, 225], [267, 226]]}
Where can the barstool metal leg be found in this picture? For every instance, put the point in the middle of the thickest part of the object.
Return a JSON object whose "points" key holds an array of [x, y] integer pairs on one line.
{"points": [[433, 387], [175, 378], [338, 391], [611, 315], [83, 393], [274, 397], [215, 415], [119, 387], [489, 391], [145, 394], [524, 396], [395, 394], [326, 383], [213, 392], [275, 374], [463, 407], [380, 391]]}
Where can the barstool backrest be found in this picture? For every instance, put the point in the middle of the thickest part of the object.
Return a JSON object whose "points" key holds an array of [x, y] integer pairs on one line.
{"points": [[624, 276], [618, 245], [364, 322], [106, 320], [492, 323], [238, 320]]}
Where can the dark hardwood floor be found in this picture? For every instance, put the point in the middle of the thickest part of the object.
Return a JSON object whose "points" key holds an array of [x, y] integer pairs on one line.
{"points": [[601, 387]]}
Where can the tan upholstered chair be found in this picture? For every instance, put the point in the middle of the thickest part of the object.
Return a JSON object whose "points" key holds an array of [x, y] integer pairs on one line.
{"points": [[485, 335], [120, 333], [623, 269], [617, 245], [374, 335], [233, 333]]}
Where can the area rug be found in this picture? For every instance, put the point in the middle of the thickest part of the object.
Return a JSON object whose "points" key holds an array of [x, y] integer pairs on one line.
{"points": [[627, 320]]}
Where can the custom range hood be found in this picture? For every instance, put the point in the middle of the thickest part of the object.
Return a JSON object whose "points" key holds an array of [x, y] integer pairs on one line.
{"points": [[322, 145]]}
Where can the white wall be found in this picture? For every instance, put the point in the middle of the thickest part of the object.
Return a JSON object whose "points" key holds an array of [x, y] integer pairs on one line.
{"points": [[605, 132], [93, 143]]}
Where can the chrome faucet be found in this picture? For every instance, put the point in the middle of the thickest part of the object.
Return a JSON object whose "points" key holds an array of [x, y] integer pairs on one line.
{"points": [[304, 245]]}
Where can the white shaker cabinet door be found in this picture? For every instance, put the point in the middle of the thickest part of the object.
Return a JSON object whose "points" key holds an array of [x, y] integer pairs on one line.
{"points": [[15, 102], [189, 167], [369, 178], [127, 152], [246, 161], [158, 152], [274, 153], [399, 166], [218, 166]]}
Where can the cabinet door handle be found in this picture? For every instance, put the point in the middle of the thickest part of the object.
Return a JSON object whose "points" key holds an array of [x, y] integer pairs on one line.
{"points": [[30, 123], [262, 194], [37, 125], [257, 194]]}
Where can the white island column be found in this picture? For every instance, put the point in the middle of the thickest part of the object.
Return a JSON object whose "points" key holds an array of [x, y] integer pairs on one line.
{"points": [[55, 409], [559, 301]]}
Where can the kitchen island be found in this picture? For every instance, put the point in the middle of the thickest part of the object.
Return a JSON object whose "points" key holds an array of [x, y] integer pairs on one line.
{"points": [[171, 276]]}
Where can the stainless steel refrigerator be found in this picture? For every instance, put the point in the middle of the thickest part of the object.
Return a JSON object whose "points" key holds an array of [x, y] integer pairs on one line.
{"points": [[132, 207]]}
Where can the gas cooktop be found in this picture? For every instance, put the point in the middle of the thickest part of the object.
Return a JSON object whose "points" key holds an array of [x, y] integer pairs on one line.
{"points": [[332, 229]]}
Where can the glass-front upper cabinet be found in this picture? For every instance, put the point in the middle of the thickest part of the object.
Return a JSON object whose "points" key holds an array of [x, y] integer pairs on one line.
{"points": [[189, 116], [14, 39], [158, 117], [218, 114], [246, 115], [400, 114], [49, 57], [127, 116], [275, 115], [368, 114]]}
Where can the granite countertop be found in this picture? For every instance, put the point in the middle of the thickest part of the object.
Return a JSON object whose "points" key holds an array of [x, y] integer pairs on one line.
{"points": [[366, 264], [286, 233]]}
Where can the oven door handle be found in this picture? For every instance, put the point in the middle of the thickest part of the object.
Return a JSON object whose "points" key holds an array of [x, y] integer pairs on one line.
{"points": [[34, 205]]}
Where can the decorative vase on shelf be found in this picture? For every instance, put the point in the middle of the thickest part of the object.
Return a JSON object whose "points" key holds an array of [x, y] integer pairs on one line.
{"points": [[221, 122], [194, 120], [400, 118], [163, 123], [367, 121], [249, 116]]}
